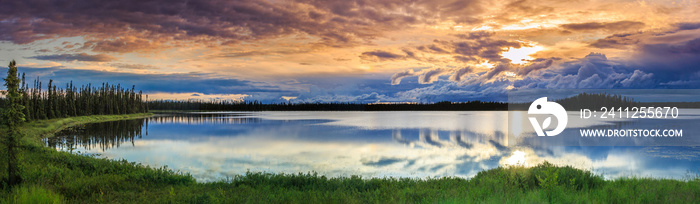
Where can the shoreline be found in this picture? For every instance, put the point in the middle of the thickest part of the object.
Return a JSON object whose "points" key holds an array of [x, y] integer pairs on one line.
{"points": [[40, 129]]}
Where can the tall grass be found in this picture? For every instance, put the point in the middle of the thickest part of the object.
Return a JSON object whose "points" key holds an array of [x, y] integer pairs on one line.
{"points": [[34, 194]]}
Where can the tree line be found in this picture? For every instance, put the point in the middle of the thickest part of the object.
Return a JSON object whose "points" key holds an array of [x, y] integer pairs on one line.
{"points": [[228, 105], [70, 101], [576, 102]]}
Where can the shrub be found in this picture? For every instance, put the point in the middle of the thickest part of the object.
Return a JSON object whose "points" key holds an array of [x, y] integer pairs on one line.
{"points": [[35, 194]]}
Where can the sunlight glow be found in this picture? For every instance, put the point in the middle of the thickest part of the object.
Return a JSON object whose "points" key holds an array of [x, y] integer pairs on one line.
{"points": [[518, 158], [289, 97], [521, 55], [484, 27], [485, 64]]}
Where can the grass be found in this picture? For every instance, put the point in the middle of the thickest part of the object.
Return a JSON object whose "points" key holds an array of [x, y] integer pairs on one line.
{"points": [[33, 194], [59, 177]]}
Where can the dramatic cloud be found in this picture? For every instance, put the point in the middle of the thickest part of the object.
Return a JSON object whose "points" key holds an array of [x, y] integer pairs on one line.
{"points": [[76, 57], [680, 32], [461, 73], [431, 75], [637, 78], [396, 78], [496, 70], [471, 49], [355, 50], [612, 26], [593, 71], [381, 55], [536, 65], [615, 41], [128, 26]]}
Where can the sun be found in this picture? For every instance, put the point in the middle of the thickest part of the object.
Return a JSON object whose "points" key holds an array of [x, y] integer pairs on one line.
{"points": [[521, 55]]}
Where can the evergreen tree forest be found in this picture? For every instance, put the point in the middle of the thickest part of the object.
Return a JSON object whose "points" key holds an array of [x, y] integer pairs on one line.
{"points": [[22, 102], [224, 105], [57, 101]]}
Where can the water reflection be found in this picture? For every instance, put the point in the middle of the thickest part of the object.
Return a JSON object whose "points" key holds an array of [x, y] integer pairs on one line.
{"points": [[100, 136], [371, 144], [204, 118], [464, 139]]}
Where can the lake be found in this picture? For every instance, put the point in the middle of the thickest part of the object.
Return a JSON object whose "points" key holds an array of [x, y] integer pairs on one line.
{"points": [[213, 146]]}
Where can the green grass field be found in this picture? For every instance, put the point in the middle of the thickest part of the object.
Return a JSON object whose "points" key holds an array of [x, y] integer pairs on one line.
{"points": [[59, 177]]}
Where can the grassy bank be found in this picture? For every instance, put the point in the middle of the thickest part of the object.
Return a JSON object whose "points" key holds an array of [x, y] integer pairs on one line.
{"points": [[62, 177], [36, 130]]}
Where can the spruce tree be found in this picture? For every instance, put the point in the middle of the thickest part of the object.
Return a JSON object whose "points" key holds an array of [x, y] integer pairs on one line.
{"points": [[13, 117]]}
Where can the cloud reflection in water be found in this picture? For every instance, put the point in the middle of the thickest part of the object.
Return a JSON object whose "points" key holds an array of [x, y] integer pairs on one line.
{"points": [[371, 144]]}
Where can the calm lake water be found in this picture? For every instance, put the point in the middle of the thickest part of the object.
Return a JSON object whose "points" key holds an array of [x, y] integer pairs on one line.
{"points": [[212, 146]]}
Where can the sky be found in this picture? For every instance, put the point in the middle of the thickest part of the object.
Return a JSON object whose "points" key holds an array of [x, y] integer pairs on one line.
{"points": [[354, 51]]}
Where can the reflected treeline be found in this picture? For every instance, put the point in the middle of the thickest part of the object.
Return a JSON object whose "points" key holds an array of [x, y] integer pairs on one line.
{"points": [[463, 139], [116, 133], [204, 118], [99, 135]]}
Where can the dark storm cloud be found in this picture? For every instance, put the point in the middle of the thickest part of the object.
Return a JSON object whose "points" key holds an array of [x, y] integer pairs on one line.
{"points": [[76, 57], [611, 26], [132, 25], [671, 62]]}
